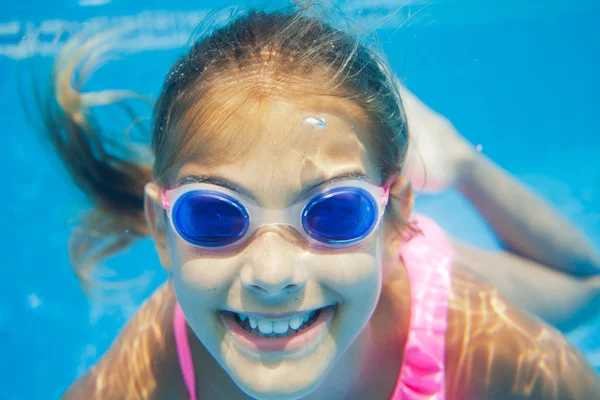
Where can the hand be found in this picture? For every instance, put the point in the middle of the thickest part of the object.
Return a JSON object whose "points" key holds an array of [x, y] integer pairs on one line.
{"points": [[437, 153]]}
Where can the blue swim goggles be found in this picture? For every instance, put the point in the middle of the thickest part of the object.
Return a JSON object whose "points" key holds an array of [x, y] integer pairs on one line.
{"points": [[335, 214]]}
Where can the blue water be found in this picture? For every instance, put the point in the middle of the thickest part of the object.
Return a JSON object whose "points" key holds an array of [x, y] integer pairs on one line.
{"points": [[518, 77]]}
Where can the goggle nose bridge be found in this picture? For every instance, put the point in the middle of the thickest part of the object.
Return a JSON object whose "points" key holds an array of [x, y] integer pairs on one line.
{"points": [[286, 216]]}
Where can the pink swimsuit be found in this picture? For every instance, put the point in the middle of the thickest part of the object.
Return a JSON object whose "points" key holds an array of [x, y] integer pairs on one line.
{"points": [[428, 260]]}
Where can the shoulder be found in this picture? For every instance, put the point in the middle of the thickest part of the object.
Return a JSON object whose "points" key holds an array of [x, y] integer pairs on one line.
{"points": [[497, 351], [139, 360]]}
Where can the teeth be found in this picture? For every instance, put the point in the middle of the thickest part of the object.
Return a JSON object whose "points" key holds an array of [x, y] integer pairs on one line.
{"points": [[296, 321], [279, 327], [253, 322], [265, 326]]}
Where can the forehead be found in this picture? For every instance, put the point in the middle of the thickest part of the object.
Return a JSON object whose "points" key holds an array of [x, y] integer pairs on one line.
{"points": [[265, 149]]}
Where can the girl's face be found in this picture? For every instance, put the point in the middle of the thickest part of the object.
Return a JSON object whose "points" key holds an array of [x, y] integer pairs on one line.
{"points": [[276, 272]]}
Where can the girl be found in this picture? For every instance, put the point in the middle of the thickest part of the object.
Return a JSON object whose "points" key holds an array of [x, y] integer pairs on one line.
{"points": [[298, 270]]}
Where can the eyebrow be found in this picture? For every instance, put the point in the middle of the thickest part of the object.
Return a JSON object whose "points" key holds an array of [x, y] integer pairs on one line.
{"points": [[216, 181], [357, 175]]}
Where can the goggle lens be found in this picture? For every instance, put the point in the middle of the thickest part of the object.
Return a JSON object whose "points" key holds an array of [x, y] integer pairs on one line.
{"points": [[210, 219], [341, 217]]}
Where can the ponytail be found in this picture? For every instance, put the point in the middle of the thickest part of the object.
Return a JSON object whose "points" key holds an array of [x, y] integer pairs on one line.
{"points": [[111, 173]]}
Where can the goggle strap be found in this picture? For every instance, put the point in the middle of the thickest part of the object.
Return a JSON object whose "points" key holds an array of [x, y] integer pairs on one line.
{"points": [[386, 192], [165, 199]]}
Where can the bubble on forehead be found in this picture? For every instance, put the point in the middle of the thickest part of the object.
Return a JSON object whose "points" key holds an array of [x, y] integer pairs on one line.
{"points": [[317, 123]]}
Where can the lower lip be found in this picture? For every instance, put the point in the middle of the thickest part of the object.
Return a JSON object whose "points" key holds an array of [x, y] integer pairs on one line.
{"points": [[289, 343]]}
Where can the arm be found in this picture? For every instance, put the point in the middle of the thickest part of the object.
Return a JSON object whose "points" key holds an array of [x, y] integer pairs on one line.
{"points": [[524, 223], [551, 269], [495, 351], [546, 253], [560, 299], [440, 158]]}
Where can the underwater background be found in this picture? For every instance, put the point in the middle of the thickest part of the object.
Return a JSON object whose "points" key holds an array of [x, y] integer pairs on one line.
{"points": [[519, 78]]}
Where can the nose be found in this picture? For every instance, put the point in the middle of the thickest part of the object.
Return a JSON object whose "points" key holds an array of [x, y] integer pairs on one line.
{"points": [[272, 267]]}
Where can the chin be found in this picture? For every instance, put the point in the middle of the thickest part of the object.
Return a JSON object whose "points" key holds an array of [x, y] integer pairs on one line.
{"points": [[280, 390], [280, 377]]}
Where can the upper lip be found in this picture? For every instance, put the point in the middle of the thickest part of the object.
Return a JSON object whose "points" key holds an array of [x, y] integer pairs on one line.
{"points": [[277, 316]]}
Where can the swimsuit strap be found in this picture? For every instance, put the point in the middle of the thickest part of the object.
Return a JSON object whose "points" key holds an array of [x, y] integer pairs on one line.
{"points": [[428, 260], [183, 351]]}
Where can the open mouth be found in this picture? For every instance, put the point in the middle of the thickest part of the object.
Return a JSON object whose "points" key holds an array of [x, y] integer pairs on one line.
{"points": [[279, 334], [278, 328]]}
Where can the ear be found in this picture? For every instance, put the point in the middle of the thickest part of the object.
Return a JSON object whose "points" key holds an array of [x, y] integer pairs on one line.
{"points": [[157, 222], [400, 207]]}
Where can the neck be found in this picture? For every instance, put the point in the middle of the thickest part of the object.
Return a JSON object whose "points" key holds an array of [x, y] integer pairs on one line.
{"points": [[212, 382]]}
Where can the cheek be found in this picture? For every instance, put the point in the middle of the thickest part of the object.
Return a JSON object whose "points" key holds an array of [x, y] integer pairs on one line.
{"points": [[356, 275], [350, 270], [201, 277]]}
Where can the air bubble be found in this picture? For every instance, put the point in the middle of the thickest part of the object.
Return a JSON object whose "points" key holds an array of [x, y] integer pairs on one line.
{"points": [[317, 123]]}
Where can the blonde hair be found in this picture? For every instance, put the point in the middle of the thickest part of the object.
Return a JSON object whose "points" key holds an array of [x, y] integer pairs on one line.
{"points": [[264, 54]]}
